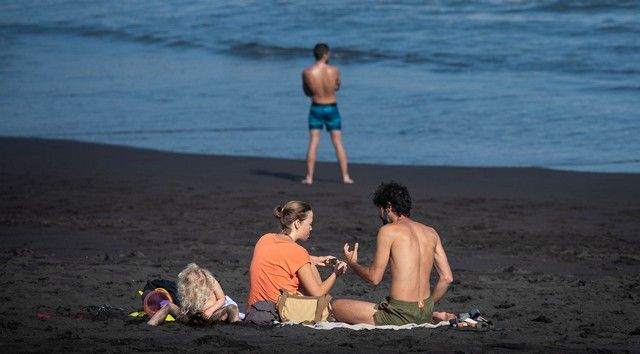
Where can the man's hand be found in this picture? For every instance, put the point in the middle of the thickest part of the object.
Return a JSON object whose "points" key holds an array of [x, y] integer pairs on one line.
{"points": [[351, 256]]}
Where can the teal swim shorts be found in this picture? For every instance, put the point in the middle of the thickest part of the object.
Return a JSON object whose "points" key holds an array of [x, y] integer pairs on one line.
{"points": [[326, 115]]}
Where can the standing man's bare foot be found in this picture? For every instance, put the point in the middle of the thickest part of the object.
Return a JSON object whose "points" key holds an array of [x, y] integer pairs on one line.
{"points": [[307, 180], [347, 180]]}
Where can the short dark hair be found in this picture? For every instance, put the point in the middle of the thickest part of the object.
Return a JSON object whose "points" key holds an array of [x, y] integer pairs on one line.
{"points": [[320, 50], [395, 195]]}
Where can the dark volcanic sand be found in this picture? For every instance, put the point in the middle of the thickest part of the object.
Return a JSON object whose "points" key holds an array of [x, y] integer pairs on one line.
{"points": [[551, 257]]}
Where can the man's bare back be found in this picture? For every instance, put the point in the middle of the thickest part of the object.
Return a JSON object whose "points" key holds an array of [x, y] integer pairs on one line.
{"points": [[412, 250], [320, 82]]}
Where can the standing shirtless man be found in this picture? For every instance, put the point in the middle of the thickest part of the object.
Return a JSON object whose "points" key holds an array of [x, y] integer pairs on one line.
{"points": [[413, 249], [320, 82]]}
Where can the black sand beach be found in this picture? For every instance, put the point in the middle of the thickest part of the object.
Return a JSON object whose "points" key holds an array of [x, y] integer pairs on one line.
{"points": [[551, 257]]}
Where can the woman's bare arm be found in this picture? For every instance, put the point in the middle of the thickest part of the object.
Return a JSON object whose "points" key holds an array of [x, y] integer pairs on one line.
{"points": [[311, 283]]}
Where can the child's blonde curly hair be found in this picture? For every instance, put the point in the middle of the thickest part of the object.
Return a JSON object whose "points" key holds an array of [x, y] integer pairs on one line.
{"points": [[195, 286]]}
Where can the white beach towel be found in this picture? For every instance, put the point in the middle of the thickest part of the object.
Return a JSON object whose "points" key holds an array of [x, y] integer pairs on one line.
{"points": [[332, 325]]}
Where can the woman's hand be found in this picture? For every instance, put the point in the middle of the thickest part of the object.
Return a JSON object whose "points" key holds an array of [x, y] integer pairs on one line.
{"points": [[323, 261], [340, 268]]}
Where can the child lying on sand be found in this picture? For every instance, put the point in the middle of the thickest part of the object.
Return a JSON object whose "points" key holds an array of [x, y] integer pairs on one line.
{"points": [[202, 300]]}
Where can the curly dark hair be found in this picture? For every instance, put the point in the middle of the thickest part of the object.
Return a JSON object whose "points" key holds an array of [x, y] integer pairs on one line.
{"points": [[393, 194]]}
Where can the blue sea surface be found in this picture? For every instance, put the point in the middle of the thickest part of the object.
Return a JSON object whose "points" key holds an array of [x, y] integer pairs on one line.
{"points": [[547, 83]]}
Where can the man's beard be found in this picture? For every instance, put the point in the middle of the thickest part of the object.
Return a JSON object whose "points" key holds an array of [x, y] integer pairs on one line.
{"points": [[385, 218]]}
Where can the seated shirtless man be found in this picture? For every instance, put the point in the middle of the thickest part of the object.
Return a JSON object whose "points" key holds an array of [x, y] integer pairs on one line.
{"points": [[412, 249]]}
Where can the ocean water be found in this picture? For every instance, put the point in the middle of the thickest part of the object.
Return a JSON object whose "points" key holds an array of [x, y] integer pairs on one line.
{"points": [[547, 83]]}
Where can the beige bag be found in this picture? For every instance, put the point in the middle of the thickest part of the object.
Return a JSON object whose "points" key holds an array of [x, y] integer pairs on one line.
{"points": [[303, 309]]}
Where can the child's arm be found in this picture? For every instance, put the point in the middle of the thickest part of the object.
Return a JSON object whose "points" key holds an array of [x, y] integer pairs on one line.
{"points": [[220, 299], [158, 317]]}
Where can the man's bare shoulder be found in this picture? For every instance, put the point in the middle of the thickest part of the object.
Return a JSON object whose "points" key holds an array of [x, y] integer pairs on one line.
{"points": [[386, 229], [307, 71], [395, 229], [427, 230], [391, 231], [333, 70]]}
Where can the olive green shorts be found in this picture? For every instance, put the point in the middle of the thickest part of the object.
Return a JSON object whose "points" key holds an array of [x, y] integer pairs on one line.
{"points": [[398, 313]]}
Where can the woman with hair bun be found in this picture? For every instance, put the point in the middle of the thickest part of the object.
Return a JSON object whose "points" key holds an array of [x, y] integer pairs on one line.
{"points": [[279, 262]]}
